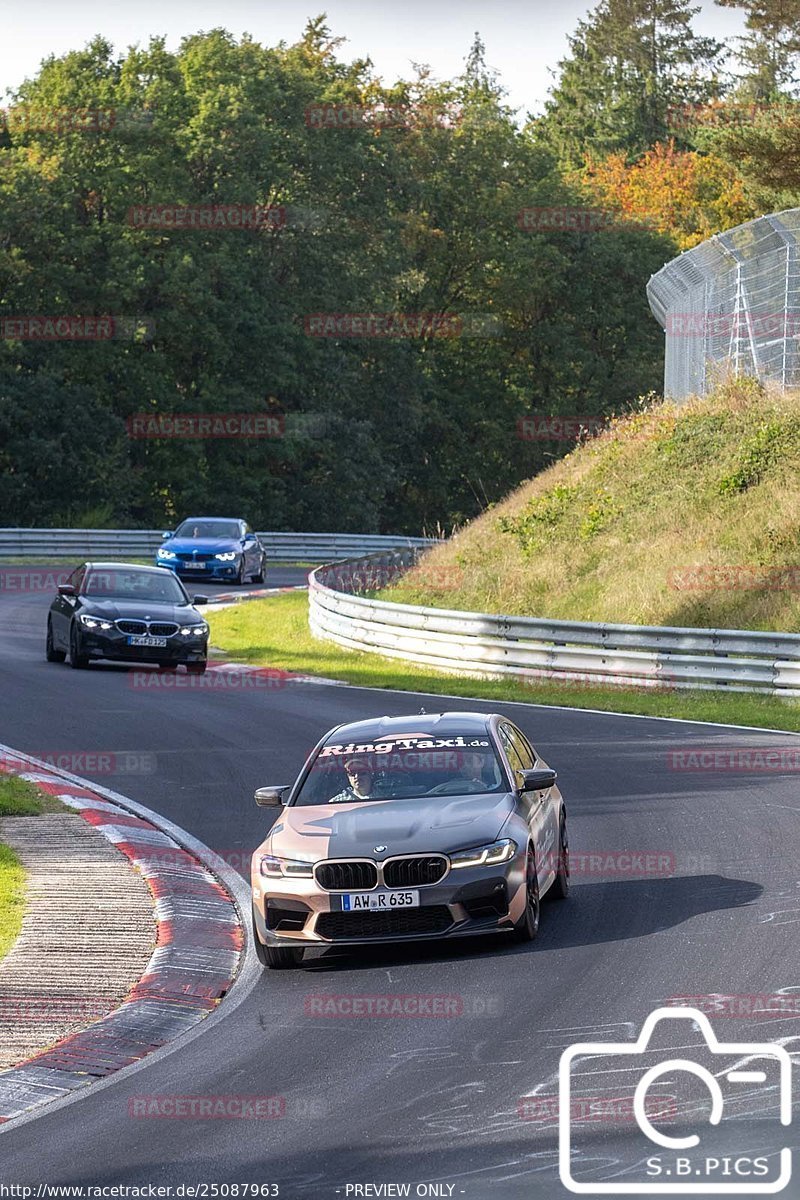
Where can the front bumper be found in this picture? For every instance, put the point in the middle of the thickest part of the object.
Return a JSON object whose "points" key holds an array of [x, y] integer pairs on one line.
{"points": [[206, 570], [112, 645], [467, 902]]}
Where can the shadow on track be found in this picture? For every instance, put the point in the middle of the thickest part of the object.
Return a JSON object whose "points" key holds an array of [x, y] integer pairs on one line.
{"points": [[595, 913]]}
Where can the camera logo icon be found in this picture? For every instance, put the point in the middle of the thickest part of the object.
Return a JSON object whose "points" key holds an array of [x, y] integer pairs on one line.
{"points": [[718, 1081]]}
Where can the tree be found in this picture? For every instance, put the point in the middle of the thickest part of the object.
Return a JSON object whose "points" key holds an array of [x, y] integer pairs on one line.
{"points": [[682, 193], [631, 63], [412, 210], [768, 54]]}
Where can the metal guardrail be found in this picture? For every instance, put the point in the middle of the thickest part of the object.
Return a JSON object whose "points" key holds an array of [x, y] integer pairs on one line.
{"points": [[485, 645], [143, 543]]}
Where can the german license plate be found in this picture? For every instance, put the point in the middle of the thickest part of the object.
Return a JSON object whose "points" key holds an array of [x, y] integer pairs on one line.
{"points": [[142, 639], [383, 901], [193, 566]]}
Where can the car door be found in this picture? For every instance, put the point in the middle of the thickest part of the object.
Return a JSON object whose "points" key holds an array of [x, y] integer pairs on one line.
{"points": [[550, 798], [63, 608], [252, 557], [533, 805]]}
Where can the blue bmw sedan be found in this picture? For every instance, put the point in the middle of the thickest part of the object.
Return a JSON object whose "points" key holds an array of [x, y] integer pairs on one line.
{"points": [[220, 548]]}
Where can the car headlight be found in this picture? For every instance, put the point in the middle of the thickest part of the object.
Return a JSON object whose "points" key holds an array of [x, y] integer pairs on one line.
{"points": [[484, 856], [228, 556], [162, 553], [189, 630], [275, 867], [94, 622]]}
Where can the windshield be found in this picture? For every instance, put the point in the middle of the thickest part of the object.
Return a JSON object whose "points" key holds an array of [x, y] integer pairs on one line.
{"points": [[402, 768], [159, 586], [208, 529]]}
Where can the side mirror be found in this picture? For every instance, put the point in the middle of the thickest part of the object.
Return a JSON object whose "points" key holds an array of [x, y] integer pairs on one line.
{"points": [[167, 534], [271, 797], [538, 779], [199, 599], [66, 589]]}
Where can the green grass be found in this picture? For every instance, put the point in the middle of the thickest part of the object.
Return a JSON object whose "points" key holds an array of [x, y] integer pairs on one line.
{"points": [[18, 798], [273, 632], [676, 515], [12, 898]]}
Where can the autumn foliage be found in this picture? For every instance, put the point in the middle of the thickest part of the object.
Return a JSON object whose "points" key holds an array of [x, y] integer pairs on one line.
{"points": [[684, 193]]}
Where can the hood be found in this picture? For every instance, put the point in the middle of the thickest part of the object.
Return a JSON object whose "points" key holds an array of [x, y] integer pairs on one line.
{"points": [[203, 545], [156, 610], [424, 825]]}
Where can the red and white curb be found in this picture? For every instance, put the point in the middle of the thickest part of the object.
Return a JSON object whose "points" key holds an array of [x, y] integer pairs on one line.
{"points": [[222, 675], [199, 946]]}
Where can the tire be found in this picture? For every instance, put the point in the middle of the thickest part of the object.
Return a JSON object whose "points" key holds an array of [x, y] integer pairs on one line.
{"points": [[196, 668], [239, 580], [259, 578], [277, 958], [559, 889], [527, 926], [50, 652], [78, 662]]}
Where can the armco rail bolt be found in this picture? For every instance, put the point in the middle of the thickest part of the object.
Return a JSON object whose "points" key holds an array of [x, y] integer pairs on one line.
{"points": [[757, 1074]]}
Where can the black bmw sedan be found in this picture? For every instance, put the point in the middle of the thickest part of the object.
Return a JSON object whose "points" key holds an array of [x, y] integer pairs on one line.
{"points": [[120, 612]]}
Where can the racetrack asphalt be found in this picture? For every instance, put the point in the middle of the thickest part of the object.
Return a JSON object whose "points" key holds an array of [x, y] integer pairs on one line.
{"points": [[414, 1099]]}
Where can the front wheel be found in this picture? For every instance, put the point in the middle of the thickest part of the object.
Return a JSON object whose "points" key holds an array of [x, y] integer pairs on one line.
{"points": [[77, 660], [50, 652], [239, 580], [527, 926], [196, 668], [259, 578]]}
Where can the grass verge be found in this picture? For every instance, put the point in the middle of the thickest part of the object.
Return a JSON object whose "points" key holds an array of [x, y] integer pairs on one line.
{"points": [[273, 632], [12, 898], [18, 798], [676, 515]]}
